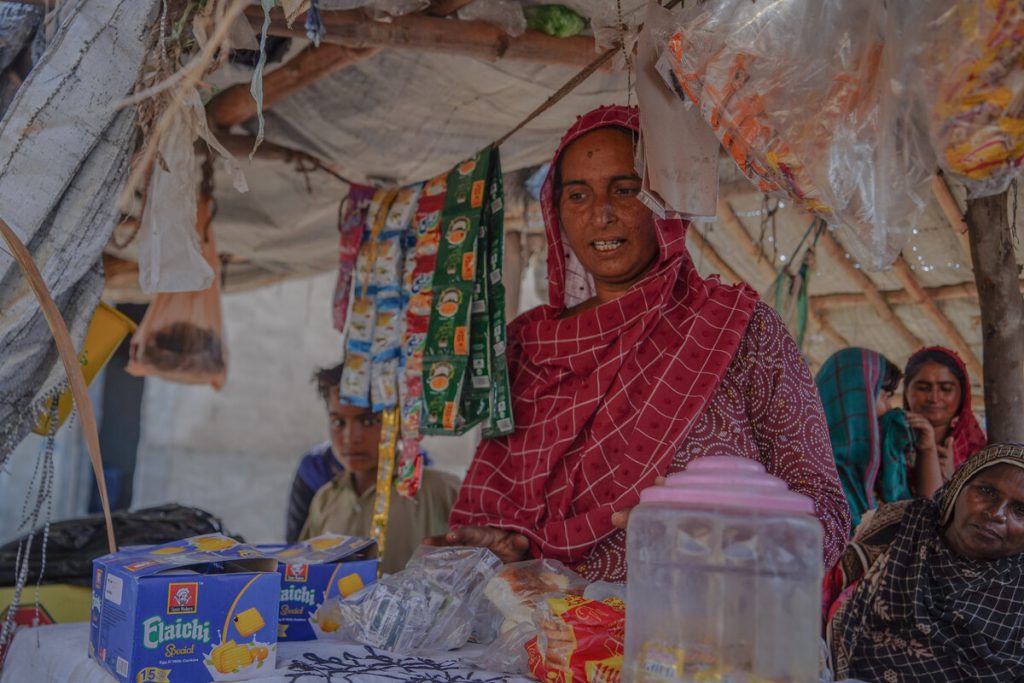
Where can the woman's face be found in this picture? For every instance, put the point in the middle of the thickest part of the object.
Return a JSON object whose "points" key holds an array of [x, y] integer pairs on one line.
{"points": [[934, 392], [988, 517], [608, 227]]}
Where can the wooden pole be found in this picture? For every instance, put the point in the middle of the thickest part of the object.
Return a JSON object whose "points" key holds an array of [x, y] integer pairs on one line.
{"points": [[997, 275], [704, 250], [894, 297], [477, 39], [72, 368], [235, 105], [874, 297], [728, 219], [952, 212], [920, 297]]}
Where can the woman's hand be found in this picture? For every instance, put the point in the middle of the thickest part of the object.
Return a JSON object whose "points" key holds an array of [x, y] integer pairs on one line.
{"points": [[945, 453], [507, 545], [928, 467], [620, 519], [923, 431]]}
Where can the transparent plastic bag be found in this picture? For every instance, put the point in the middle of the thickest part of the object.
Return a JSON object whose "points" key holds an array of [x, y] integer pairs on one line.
{"points": [[428, 607], [505, 13], [808, 98], [517, 589], [170, 256], [181, 336], [509, 611], [972, 59]]}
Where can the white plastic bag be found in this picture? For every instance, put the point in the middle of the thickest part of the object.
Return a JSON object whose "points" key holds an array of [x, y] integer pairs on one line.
{"points": [[170, 258]]}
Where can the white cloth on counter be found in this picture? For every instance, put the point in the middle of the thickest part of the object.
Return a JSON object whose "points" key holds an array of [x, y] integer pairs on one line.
{"points": [[59, 654]]}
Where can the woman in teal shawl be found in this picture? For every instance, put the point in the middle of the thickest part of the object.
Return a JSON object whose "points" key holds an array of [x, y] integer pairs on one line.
{"points": [[870, 441]]}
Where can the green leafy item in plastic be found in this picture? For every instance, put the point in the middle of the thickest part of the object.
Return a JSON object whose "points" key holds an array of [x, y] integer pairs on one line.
{"points": [[555, 20]]}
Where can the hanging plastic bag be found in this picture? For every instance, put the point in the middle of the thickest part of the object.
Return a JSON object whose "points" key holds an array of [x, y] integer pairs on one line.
{"points": [[830, 129], [170, 256], [181, 337], [973, 60]]}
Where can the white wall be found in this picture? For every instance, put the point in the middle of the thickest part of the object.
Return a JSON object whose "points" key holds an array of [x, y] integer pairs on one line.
{"points": [[234, 452]]}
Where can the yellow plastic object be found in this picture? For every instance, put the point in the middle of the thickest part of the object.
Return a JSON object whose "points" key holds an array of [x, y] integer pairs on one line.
{"points": [[107, 330]]}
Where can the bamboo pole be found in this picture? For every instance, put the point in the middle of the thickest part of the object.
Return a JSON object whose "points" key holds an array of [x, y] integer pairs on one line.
{"points": [[871, 293], [705, 250], [1002, 316], [236, 104], [739, 236], [896, 297], [928, 306], [477, 39], [72, 367], [950, 209]]}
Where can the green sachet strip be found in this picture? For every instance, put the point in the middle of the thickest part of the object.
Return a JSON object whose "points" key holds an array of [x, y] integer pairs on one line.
{"points": [[499, 421], [447, 352]]}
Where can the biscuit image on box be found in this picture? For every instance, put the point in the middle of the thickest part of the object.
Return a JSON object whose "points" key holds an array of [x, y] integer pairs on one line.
{"points": [[347, 585], [249, 622]]}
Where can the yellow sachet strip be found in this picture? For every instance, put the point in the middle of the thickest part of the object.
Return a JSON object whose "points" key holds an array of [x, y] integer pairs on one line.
{"points": [[386, 199], [385, 473]]}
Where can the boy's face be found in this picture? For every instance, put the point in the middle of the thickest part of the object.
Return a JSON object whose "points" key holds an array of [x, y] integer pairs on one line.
{"points": [[355, 434]]}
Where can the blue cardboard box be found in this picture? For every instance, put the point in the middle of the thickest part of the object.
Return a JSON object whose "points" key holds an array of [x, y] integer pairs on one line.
{"points": [[196, 610], [314, 571]]}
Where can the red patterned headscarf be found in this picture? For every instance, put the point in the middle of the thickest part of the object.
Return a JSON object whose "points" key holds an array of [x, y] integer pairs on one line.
{"points": [[602, 400], [968, 436]]}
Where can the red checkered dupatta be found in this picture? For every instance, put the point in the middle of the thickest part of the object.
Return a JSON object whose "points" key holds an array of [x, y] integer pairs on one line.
{"points": [[602, 400]]}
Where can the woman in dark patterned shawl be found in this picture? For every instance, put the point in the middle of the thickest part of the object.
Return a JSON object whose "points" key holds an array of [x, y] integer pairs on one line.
{"points": [[939, 586]]}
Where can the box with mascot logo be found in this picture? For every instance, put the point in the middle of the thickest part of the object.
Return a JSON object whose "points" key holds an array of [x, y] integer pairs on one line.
{"points": [[314, 571], [195, 610]]}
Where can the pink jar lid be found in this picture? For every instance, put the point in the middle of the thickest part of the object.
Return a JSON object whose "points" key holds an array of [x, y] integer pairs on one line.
{"points": [[727, 481]]}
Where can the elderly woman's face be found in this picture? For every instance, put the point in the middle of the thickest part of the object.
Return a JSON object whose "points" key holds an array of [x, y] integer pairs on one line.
{"points": [[608, 227], [988, 516]]}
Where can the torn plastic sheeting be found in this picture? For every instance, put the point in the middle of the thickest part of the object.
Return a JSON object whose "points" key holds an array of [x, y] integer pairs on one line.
{"points": [[505, 13], [256, 86]]}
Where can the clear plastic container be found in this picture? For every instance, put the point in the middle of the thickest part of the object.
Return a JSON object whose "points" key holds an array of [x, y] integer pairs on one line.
{"points": [[725, 571]]}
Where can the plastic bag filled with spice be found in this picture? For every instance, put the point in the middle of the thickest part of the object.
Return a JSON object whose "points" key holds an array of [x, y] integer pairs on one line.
{"points": [[181, 336], [972, 58], [809, 99]]}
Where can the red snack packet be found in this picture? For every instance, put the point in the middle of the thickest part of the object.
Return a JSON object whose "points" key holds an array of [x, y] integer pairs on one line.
{"points": [[579, 640]]}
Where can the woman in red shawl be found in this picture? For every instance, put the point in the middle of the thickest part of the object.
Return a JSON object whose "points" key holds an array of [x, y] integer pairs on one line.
{"points": [[636, 367], [937, 398]]}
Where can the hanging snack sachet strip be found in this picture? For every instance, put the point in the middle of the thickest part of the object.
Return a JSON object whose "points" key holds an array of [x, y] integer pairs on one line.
{"points": [[385, 473], [447, 356], [418, 274], [355, 377], [499, 421], [351, 226], [386, 281], [465, 376]]}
